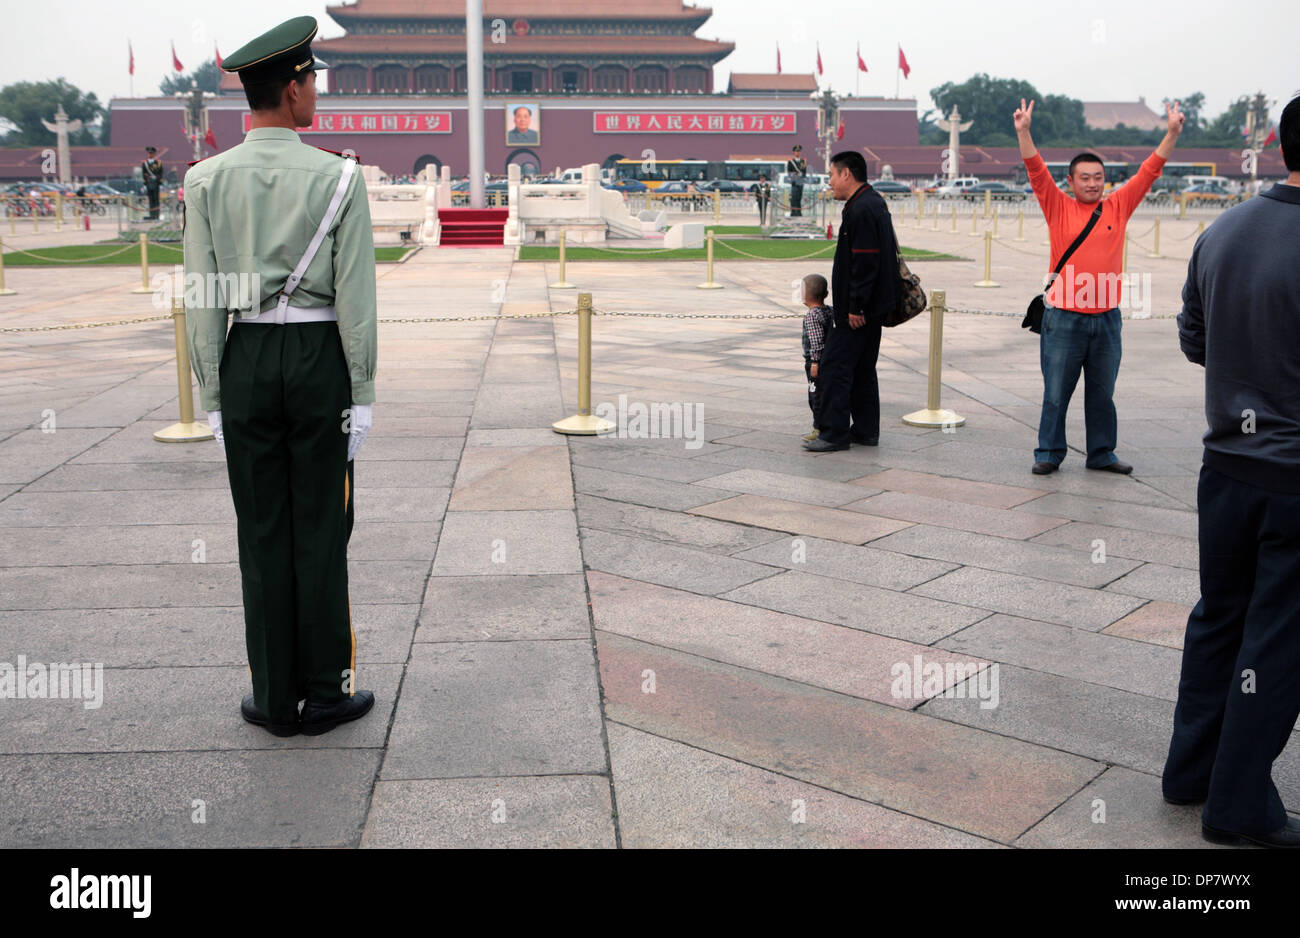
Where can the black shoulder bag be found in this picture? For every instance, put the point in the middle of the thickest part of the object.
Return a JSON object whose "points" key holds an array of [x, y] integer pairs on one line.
{"points": [[1033, 320]]}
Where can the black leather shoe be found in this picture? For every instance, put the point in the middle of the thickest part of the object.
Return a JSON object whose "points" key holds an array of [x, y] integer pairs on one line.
{"points": [[249, 711], [821, 446], [1044, 468], [1122, 468], [1286, 836], [318, 718]]}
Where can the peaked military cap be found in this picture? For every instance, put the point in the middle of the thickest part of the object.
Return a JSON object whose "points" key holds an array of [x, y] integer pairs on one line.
{"points": [[279, 53]]}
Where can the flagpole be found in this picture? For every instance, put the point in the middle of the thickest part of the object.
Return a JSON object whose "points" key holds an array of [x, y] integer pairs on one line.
{"points": [[898, 73], [857, 74]]}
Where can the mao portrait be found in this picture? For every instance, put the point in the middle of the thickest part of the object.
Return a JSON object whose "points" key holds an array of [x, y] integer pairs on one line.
{"points": [[523, 125]]}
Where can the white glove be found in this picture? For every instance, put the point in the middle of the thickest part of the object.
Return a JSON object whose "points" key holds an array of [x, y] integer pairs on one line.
{"points": [[214, 423], [359, 426]]}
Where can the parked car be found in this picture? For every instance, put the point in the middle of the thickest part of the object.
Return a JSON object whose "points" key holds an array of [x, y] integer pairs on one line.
{"points": [[999, 191], [957, 186], [676, 185], [1206, 192], [626, 185], [891, 187], [721, 185]]}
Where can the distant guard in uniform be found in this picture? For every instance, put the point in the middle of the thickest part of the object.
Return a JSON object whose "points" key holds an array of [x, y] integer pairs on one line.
{"points": [[283, 230], [151, 172], [796, 168], [763, 193]]}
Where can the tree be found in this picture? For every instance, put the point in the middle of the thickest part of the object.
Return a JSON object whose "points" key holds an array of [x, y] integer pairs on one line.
{"points": [[25, 104], [207, 76]]}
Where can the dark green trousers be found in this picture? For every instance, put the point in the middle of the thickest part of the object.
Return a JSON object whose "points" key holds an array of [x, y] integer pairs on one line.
{"points": [[284, 390]]}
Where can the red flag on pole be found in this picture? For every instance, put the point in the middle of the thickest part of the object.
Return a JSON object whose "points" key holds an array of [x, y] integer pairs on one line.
{"points": [[218, 52], [210, 139], [902, 63], [176, 63], [862, 66], [778, 58], [130, 68], [839, 131], [1272, 135], [819, 58]]}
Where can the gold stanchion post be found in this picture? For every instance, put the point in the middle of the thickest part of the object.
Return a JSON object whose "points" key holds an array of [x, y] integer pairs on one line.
{"points": [[710, 284], [954, 218], [187, 431], [1020, 226], [562, 283], [988, 202], [988, 263], [58, 210], [996, 212], [974, 222], [936, 218], [144, 265], [934, 415], [583, 423], [4, 291], [1155, 252]]}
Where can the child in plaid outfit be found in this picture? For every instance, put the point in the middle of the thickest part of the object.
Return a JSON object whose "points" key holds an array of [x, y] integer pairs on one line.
{"points": [[815, 323]]}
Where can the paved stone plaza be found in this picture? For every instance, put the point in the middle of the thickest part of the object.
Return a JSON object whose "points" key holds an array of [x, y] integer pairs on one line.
{"points": [[616, 641]]}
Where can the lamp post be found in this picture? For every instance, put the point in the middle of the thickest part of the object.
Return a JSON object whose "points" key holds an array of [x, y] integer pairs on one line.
{"points": [[195, 116]]}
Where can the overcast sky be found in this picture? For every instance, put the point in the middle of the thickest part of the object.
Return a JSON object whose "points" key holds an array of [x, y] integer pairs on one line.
{"points": [[1102, 50]]}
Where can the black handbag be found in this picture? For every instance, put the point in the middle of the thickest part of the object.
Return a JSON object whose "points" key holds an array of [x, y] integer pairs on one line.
{"points": [[1033, 320]]}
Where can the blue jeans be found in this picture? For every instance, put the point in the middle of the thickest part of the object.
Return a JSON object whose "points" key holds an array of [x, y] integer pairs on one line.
{"points": [[1072, 342]]}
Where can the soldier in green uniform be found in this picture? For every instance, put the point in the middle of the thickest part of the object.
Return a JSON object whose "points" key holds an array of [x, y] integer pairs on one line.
{"points": [[796, 168], [763, 193], [151, 173], [278, 234]]}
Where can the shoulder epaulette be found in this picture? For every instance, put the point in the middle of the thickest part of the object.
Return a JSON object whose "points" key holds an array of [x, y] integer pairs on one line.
{"points": [[339, 153], [192, 162]]}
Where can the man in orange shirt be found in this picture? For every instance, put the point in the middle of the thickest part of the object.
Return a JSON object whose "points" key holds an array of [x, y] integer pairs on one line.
{"points": [[1081, 317]]}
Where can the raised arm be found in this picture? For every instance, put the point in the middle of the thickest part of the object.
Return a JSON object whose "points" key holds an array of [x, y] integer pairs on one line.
{"points": [[1131, 194], [1176, 119], [1045, 190], [1024, 114]]}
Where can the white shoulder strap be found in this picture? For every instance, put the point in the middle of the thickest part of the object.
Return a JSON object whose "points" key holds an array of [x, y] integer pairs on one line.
{"points": [[295, 278]]}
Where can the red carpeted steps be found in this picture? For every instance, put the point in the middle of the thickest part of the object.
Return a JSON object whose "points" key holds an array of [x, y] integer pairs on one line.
{"points": [[473, 227]]}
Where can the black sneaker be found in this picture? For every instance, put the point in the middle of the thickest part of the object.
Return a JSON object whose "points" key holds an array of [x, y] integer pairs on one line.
{"points": [[1044, 468]]}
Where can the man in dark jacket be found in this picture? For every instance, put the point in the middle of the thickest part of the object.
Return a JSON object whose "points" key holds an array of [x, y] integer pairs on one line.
{"points": [[1239, 693], [864, 284]]}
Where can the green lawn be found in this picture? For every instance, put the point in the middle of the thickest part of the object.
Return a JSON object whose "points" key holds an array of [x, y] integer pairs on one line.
{"points": [[722, 250], [111, 254]]}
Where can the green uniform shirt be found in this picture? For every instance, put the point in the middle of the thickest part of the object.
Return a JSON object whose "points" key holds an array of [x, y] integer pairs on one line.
{"points": [[253, 210]]}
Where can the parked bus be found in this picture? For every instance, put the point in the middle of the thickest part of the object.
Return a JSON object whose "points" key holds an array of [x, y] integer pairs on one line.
{"points": [[654, 173]]}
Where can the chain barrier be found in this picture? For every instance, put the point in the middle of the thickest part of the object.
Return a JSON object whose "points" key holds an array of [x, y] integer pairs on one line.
{"points": [[796, 257], [83, 260], [623, 251], [86, 325]]}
